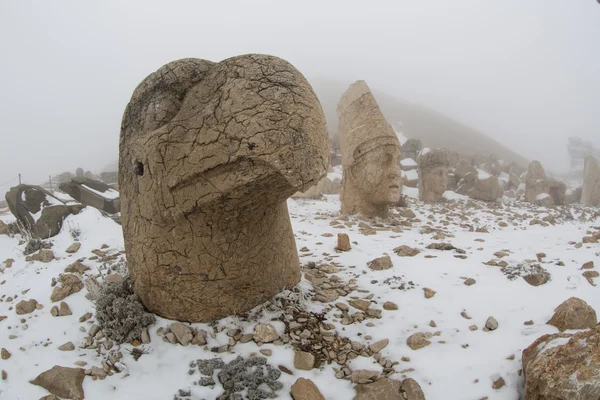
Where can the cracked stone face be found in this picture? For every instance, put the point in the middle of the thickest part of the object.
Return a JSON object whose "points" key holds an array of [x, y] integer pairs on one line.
{"points": [[209, 153], [433, 174], [370, 155]]}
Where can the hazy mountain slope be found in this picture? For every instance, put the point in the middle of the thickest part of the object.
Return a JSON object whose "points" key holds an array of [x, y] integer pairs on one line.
{"points": [[418, 122]]}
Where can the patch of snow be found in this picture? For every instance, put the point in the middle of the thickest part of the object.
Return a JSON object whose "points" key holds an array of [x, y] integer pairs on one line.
{"points": [[450, 195], [482, 175], [110, 194], [542, 196], [408, 162], [411, 175]]}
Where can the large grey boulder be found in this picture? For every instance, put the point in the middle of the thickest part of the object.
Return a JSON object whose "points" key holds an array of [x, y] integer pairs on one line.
{"points": [[38, 211]]}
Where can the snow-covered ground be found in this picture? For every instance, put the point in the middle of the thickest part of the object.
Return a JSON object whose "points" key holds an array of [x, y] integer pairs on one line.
{"points": [[460, 363]]}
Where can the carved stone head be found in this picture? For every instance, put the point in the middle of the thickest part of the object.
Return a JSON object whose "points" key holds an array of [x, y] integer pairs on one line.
{"points": [[370, 155]]}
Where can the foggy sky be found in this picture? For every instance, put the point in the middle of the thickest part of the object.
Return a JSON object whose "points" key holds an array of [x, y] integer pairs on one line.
{"points": [[525, 72]]}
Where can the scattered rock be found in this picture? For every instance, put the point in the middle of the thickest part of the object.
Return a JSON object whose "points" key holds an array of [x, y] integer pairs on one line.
{"points": [[73, 247], [266, 352], [305, 389], [359, 304], [69, 346], [491, 324], [469, 281], [64, 309], [303, 360], [537, 279], [62, 381], [199, 338], [418, 341], [590, 275], [265, 333], [498, 383], [43, 255], [363, 376], [441, 246], [69, 284], [411, 390], [588, 265], [406, 251], [429, 293], [77, 268], [343, 242], [390, 306], [26, 306], [183, 333], [378, 346], [4, 354], [380, 263], [573, 313], [382, 389]]}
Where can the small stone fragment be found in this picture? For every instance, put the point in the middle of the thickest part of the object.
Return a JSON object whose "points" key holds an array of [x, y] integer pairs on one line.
{"points": [[69, 346], [417, 341], [429, 293], [265, 333], [498, 383], [390, 306], [73, 247], [304, 360], [305, 389], [491, 324], [26, 306], [381, 263], [379, 345]]}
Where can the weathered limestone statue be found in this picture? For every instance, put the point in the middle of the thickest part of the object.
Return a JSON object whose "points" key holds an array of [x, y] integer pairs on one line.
{"points": [[209, 153], [433, 174], [38, 211], [591, 182], [541, 190], [92, 193], [370, 155]]}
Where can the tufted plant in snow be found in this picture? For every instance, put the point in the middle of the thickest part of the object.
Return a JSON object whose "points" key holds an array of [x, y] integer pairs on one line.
{"points": [[120, 313]]}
